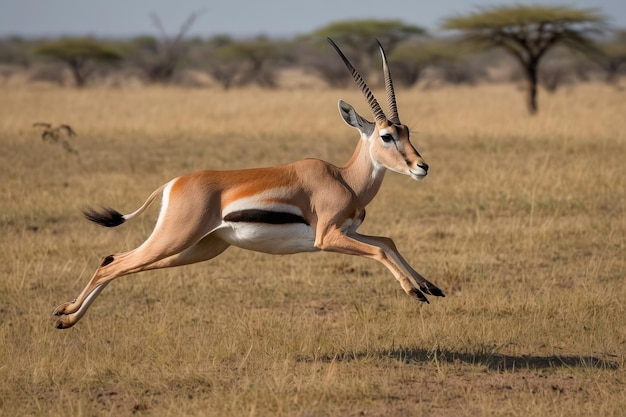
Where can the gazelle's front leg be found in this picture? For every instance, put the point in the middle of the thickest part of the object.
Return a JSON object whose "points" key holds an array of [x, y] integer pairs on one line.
{"points": [[389, 247], [334, 240]]}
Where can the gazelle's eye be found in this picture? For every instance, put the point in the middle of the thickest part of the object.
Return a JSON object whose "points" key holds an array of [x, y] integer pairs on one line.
{"points": [[387, 138]]}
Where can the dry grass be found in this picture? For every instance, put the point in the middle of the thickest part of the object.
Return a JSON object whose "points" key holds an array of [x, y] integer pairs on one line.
{"points": [[522, 222]]}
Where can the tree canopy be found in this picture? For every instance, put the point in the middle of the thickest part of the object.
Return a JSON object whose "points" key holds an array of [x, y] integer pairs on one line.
{"points": [[79, 48], [506, 17]]}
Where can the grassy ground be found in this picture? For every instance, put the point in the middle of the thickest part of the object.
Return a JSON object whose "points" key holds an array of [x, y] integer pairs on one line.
{"points": [[521, 221]]}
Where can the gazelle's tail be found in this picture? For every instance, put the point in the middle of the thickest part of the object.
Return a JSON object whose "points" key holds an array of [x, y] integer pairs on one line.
{"points": [[109, 217]]}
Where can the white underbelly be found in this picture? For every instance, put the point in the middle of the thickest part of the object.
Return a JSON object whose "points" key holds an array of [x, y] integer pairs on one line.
{"points": [[277, 239]]}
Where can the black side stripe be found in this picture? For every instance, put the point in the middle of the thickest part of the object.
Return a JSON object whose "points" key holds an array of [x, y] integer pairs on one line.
{"points": [[264, 216]]}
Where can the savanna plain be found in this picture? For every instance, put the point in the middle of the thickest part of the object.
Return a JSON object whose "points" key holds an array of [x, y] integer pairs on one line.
{"points": [[521, 221]]}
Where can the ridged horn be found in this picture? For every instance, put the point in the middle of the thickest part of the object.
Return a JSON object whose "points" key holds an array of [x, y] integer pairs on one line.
{"points": [[371, 100], [391, 95]]}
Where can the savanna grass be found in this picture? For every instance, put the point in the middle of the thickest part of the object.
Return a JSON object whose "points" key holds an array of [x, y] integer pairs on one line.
{"points": [[521, 221]]}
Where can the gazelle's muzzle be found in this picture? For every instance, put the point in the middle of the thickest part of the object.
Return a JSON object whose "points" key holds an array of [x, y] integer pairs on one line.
{"points": [[419, 171]]}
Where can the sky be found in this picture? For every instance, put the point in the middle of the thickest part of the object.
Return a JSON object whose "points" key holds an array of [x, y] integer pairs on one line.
{"points": [[240, 18]]}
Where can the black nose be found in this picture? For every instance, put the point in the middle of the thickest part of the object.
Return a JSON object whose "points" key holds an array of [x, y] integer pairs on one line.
{"points": [[424, 166]]}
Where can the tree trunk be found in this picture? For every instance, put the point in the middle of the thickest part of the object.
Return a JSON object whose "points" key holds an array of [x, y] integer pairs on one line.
{"points": [[76, 66], [531, 92]]}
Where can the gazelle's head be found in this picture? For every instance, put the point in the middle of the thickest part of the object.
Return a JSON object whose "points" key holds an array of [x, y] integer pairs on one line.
{"points": [[387, 138]]}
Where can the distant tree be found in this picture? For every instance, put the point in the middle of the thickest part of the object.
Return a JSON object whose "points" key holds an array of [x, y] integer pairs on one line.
{"points": [[613, 56], [462, 71], [410, 59], [250, 61], [15, 50], [528, 32], [316, 57], [213, 57], [79, 54], [159, 57], [356, 37]]}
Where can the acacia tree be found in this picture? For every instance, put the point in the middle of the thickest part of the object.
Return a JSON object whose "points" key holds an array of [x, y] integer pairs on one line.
{"points": [[79, 54], [528, 32], [221, 65], [248, 61]]}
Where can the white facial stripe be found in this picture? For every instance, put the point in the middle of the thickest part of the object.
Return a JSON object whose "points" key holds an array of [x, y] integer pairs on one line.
{"points": [[263, 201], [378, 167]]}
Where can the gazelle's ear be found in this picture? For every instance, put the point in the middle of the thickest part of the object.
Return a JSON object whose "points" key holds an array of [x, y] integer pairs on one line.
{"points": [[354, 119]]}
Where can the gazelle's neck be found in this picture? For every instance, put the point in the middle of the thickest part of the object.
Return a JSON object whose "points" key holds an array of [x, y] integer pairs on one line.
{"points": [[362, 174]]}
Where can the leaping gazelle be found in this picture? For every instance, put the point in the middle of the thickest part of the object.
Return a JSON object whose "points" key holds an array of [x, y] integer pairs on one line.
{"points": [[305, 206]]}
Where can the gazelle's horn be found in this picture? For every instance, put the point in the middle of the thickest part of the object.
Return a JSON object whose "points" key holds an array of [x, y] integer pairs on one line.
{"points": [[391, 95], [371, 100]]}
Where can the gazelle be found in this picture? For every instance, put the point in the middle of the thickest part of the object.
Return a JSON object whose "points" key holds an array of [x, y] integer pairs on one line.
{"points": [[308, 205]]}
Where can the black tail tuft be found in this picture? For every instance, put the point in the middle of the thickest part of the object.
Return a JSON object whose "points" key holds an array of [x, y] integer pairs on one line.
{"points": [[106, 217]]}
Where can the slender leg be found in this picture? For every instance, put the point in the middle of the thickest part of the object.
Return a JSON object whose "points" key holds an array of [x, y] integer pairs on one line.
{"points": [[389, 247], [112, 267], [115, 266], [207, 248], [335, 241], [69, 320]]}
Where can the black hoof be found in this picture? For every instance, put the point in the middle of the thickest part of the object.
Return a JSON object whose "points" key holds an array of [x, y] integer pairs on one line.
{"points": [[432, 290], [419, 295]]}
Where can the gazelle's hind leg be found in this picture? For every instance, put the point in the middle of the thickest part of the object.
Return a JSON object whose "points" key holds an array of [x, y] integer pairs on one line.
{"points": [[112, 267], [169, 238], [207, 248], [69, 319]]}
